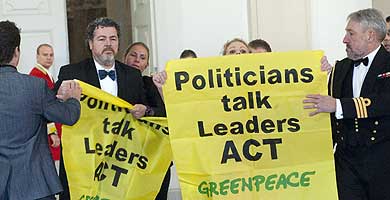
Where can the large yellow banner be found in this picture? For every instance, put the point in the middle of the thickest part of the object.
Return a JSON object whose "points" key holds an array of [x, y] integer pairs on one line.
{"points": [[238, 129], [110, 155]]}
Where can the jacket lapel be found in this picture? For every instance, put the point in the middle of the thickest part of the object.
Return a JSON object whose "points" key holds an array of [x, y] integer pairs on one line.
{"points": [[377, 67], [340, 80], [121, 79], [91, 74]]}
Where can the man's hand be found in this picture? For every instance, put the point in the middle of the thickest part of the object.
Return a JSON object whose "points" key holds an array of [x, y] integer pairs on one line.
{"points": [[138, 111], [69, 89], [55, 140], [325, 66], [321, 103]]}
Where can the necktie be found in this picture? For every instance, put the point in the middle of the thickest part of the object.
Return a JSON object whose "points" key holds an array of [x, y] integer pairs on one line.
{"points": [[362, 60], [103, 74]]}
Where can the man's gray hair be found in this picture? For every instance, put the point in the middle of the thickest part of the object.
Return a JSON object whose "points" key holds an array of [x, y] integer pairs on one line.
{"points": [[370, 18]]}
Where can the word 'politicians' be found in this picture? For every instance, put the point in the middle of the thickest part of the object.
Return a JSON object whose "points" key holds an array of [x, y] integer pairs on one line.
{"points": [[215, 78]]}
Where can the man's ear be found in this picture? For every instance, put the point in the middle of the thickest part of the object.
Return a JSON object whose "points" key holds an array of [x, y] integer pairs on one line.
{"points": [[90, 44], [15, 57], [371, 35]]}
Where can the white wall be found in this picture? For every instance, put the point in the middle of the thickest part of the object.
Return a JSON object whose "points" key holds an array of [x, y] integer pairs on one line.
{"points": [[382, 5], [328, 24], [42, 21], [201, 25]]}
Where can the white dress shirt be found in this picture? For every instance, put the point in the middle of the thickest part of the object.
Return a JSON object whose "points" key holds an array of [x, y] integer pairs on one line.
{"points": [[107, 84]]}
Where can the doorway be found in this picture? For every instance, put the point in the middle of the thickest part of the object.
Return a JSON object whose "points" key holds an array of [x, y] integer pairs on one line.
{"points": [[81, 12]]}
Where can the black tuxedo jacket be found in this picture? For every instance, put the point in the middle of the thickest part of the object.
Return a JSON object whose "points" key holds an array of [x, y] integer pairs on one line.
{"points": [[129, 80], [366, 119]]}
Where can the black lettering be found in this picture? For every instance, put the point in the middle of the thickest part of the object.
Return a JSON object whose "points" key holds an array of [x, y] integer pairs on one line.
{"points": [[110, 149], [220, 129], [236, 128], [127, 131], [201, 130], [142, 162], [105, 125], [246, 150], [267, 126], [180, 78], [118, 172], [307, 76], [293, 73], [225, 101], [227, 76], [196, 80], [252, 126], [229, 146], [294, 125], [274, 76], [121, 154], [87, 148], [272, 145]]}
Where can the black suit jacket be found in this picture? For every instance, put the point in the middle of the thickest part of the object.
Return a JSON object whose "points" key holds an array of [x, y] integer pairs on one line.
{"points": [[129, 80], [366, 119]]}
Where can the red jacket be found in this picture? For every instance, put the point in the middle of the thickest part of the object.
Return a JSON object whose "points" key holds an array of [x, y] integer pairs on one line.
{"points": [[39, 72]]}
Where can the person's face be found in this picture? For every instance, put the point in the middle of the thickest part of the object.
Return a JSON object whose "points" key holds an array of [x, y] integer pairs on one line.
{"points": [[45, 56], [104, 45], [356, 40], [137, 57], [386, 41], [257, 50], [236, 48]]}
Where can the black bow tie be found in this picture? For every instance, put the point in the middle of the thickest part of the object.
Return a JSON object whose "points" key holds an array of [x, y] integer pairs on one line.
{"points": [[362, 60], [103, 74]]}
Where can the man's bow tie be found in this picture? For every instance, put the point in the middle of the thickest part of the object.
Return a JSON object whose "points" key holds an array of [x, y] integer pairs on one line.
{"points": [[362, 60], [103, 74]]}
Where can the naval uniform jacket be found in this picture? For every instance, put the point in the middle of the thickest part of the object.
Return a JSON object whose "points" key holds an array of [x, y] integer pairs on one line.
{"points": [[366, 119]]}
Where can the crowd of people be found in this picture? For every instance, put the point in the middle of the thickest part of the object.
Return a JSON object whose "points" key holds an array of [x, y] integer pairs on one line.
{"points": [[36, 107]]}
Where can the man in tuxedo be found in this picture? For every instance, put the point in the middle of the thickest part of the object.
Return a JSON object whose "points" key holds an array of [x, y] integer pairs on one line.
{"points": [[45, 58], [358, 102], [26, 105], [103, 71]]}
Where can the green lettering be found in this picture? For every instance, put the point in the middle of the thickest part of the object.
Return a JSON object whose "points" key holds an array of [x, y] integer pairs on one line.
{"points": [[269, 183], [203, 190], [223, 187], [282, 181], [305, 181], [248, 185], [234, 185], [213, 188], [258, 180], [289, 182]]}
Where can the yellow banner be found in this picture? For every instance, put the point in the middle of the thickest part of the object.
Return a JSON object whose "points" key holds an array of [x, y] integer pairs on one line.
{"points": [[238, 129], [110, 155]]}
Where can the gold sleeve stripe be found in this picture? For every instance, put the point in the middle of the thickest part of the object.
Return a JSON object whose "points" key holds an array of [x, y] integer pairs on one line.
{"points": [[357, 108], [361, 108], [364, 109]]}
